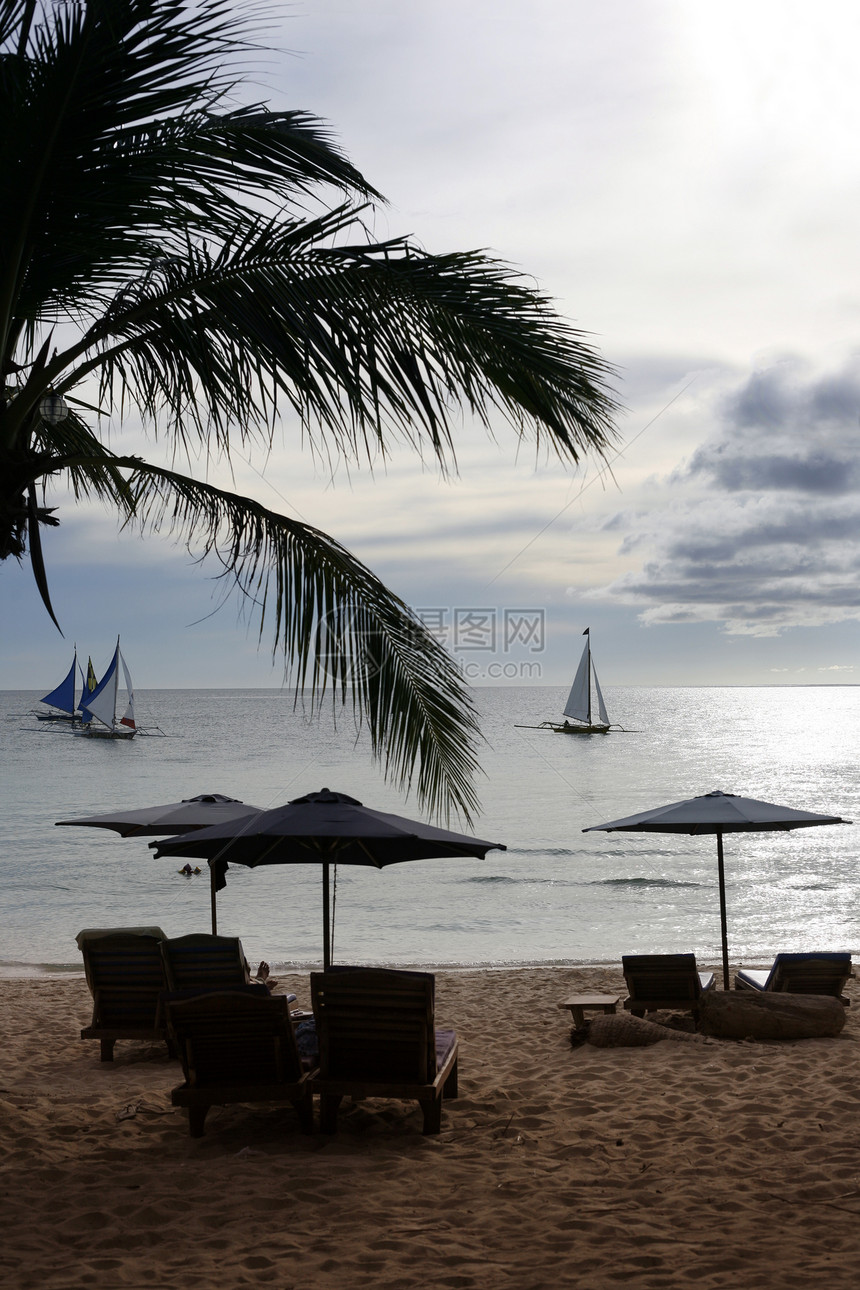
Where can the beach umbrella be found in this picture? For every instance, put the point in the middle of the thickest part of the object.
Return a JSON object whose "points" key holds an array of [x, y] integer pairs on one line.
{"points": [[717, 813], [322, 828], [199, 812]]}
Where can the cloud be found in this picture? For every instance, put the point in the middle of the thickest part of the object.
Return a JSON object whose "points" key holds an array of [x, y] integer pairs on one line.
{"points": [[784, 435], [762, 532], [820, 472]]}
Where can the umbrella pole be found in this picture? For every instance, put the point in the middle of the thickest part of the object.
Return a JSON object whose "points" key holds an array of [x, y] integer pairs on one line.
{"points": [[326, 918], [723, 925], [212, 904]]}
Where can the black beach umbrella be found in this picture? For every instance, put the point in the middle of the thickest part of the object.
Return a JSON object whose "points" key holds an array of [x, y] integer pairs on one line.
{"points": [[322, 828], [717, 813], [172, 818], [199, 812]]}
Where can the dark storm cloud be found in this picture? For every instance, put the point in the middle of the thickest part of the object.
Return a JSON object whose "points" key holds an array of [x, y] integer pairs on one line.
{"points": [[837, 399], [816, 472], [781, 435], [746, 590], [778, 399], [796, 527], [764, 402], [765, 529]]}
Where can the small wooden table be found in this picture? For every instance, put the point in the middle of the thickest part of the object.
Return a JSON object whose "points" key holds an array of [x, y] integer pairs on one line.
{"points": [[577, 1003]]}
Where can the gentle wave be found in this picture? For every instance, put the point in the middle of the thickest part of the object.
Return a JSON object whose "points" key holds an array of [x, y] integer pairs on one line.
{"points": [[527, 880], [482, 880], [591, 853], [642, 882], [545, 851]]}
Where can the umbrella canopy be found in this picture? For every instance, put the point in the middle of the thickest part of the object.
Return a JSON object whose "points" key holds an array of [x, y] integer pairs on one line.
{"points": [[175, 817], [717, 813], [322, 828]]}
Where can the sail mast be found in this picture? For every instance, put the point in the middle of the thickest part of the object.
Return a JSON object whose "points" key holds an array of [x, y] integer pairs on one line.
{"points": [[587, 635], [115, 685]]}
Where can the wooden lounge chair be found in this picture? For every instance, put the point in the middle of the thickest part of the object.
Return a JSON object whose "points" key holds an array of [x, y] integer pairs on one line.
{"points": [[236, 1046], [376, 1035], [802, 973], [670, 981], [125, 973], [205, 960]]}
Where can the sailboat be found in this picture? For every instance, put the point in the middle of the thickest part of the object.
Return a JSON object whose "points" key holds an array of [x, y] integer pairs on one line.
{"points": [[585, 695], [62, 699], [100, 705]]}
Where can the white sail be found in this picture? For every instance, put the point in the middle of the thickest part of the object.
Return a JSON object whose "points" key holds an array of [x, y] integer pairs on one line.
{"points": [[102, 702], [128, 719], [579, 700], [602, 714], [577, 705]]}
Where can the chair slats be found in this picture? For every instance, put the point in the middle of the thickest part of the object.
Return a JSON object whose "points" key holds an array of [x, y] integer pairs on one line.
{"points": [[376, 1035], [126, 977], [236, 1046], [656, 981], [204, 959], [804, 972]]}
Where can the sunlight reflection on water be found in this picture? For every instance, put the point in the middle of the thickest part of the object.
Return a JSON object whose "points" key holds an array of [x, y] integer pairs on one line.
{"points": [[556, 894]]}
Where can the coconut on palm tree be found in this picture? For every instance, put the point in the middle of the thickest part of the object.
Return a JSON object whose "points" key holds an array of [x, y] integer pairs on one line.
{"points": [[207, 265]]}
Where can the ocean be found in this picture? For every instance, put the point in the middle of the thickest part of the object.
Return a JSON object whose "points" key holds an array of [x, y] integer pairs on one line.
{"points": [[555, 896]]}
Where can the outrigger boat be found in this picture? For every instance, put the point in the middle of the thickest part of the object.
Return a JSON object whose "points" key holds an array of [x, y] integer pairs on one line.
{"points": [[579, 702], [95, 714], [101, 705]]}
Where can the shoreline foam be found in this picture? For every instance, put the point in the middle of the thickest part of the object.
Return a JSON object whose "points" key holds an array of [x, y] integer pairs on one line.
{"points": [[13, 970]]}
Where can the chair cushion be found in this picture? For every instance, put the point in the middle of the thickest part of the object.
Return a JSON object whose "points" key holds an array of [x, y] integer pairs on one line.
{"points": [[307, 1042], [93, 933], [445, 1041]]}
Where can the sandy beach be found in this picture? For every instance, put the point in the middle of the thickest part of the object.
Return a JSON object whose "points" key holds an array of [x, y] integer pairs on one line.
{"points": [[710, 1163]]}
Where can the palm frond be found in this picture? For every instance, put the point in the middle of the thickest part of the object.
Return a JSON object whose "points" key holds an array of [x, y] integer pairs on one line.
{"points": [[191, 244], [37, 559], [341, 628], [369, 342], [114, 132], [72, 448]]}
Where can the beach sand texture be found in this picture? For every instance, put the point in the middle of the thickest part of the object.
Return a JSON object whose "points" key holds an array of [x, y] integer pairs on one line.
{"points": [[680, 1164]]}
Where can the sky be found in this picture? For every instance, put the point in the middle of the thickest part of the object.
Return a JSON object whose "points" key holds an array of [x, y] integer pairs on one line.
{"points": [[684, 181]]}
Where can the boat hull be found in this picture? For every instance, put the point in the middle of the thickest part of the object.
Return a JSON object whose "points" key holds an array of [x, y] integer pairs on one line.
{"points": [[89, 732], [578, 730]]}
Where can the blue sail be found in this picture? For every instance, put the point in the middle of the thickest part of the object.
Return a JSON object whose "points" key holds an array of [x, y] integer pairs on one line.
{"points": [[64, 695]]}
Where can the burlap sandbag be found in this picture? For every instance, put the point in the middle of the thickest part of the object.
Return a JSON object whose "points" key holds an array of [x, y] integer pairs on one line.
{"points": [[745, 1014], [625, 1031]]}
